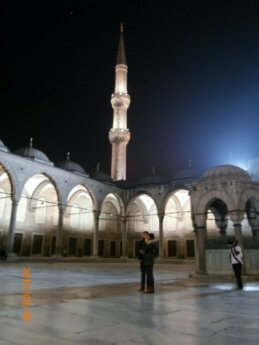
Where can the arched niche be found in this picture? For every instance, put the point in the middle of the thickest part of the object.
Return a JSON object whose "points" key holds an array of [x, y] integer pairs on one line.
{"points": [[5, 201], [38, 205], [142, 214], [217, 219], [111, 214], [178, 218], [79, 213]]}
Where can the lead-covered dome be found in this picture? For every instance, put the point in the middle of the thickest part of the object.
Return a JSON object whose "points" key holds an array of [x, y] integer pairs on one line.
{"points": [[71, 166], [188, 173], [102, 176], [3, 148], [225, 173], [33, 154], [151, 179]]}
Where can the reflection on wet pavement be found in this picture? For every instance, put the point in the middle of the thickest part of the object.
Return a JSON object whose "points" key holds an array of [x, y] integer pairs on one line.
{"points": [[98, 304]]}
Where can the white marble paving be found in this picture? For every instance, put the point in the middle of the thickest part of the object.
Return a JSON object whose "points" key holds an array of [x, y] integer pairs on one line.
{"points": [[98, 304]]}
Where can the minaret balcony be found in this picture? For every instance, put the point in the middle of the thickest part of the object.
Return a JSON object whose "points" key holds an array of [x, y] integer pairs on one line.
{"points": [[121, 95], [119, 99], [119, 135]]}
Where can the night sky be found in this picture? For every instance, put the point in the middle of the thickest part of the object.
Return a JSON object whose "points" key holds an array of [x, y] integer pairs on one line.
{"points": [[193, 80]]}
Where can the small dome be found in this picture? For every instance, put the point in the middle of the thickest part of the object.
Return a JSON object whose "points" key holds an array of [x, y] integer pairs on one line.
{"points": [[225, 173], [187, 173], [34, 154], [71, 166], [150, 179], [3, 148], [102, 176]]}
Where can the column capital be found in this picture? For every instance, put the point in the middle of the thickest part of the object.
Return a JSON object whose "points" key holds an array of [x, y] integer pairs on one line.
{"points": [[255, 232], [161, 215], [96, 214], [61, 208], [15, 201], [200, 219], [236, 216]]}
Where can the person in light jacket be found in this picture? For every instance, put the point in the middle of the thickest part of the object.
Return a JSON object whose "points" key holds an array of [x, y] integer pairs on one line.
{"points": [[235, 257]]}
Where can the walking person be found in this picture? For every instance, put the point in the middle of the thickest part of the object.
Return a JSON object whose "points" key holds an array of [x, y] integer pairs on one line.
{"points": [[140, 253], [235, 257]]}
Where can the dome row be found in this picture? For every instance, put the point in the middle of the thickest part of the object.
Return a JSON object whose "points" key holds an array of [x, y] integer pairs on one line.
{"points": [[219, 173], [39, 156]]}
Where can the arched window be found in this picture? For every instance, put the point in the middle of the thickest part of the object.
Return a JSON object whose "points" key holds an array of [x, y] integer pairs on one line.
{"points": [[40, 214], [22, 209], [2, 202], [74, 217], [55, 215], [138, 222], [83, 218]]}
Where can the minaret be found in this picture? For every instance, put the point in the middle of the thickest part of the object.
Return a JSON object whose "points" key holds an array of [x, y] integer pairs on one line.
{"points": [[119, 135]]}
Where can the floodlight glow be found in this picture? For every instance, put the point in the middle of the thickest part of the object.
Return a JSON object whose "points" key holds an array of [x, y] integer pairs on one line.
{"points": [[241, 165], [223, 286]]}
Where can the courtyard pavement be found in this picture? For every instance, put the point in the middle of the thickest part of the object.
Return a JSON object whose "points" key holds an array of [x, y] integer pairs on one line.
{"points": [[98, 304]]}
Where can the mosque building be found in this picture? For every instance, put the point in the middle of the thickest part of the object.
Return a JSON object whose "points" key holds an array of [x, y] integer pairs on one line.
{"points": [[57, 210]]}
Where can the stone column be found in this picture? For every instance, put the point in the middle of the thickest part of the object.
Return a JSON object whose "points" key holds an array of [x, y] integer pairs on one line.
{"points": [[238, 234], [59, 239], [161, 217], [196, 251], [255, 232], [95, 235], [239, 238], [255, 228], [124, 238], [222, 224], [201, 240], [11, 230]]}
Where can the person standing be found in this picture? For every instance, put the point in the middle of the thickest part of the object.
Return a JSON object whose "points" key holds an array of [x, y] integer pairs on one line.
{"points": [[235, 257], [140, 252], [3, 254], [149, 260]]}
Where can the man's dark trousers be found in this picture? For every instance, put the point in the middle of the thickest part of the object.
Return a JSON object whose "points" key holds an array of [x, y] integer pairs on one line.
{"points": [[150, 277], [238, 271], [143, 274], [146, 271]]}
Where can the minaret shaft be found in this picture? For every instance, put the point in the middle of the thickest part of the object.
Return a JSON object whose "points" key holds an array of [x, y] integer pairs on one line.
{"points": [[119, 135]]}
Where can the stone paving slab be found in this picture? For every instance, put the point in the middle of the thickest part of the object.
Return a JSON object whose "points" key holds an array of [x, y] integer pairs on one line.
{"points": [[98, 304]]}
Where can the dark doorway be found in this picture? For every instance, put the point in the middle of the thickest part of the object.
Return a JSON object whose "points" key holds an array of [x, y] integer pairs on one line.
{"points": [[87, 247], [17, 245], [190, 248], [171, 248], [53, 245], [37, 244], [112, 248], [72, 246], [100, 247]]}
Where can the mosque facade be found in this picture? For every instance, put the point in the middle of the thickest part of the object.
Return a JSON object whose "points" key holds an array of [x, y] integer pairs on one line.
{"points": [[57, 210]]}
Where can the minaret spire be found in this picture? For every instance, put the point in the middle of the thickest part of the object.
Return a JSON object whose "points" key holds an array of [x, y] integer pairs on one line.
{"points": [[121, 57], [119, 135]]}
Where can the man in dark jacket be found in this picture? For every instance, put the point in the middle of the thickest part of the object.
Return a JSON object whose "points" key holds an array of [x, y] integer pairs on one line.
{"points": [[151, 252], [3, 255], [140, 252]]}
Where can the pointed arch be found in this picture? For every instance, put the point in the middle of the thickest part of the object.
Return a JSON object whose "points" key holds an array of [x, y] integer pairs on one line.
{"points": [[205, 199], [79, 211], [142, 212]]}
